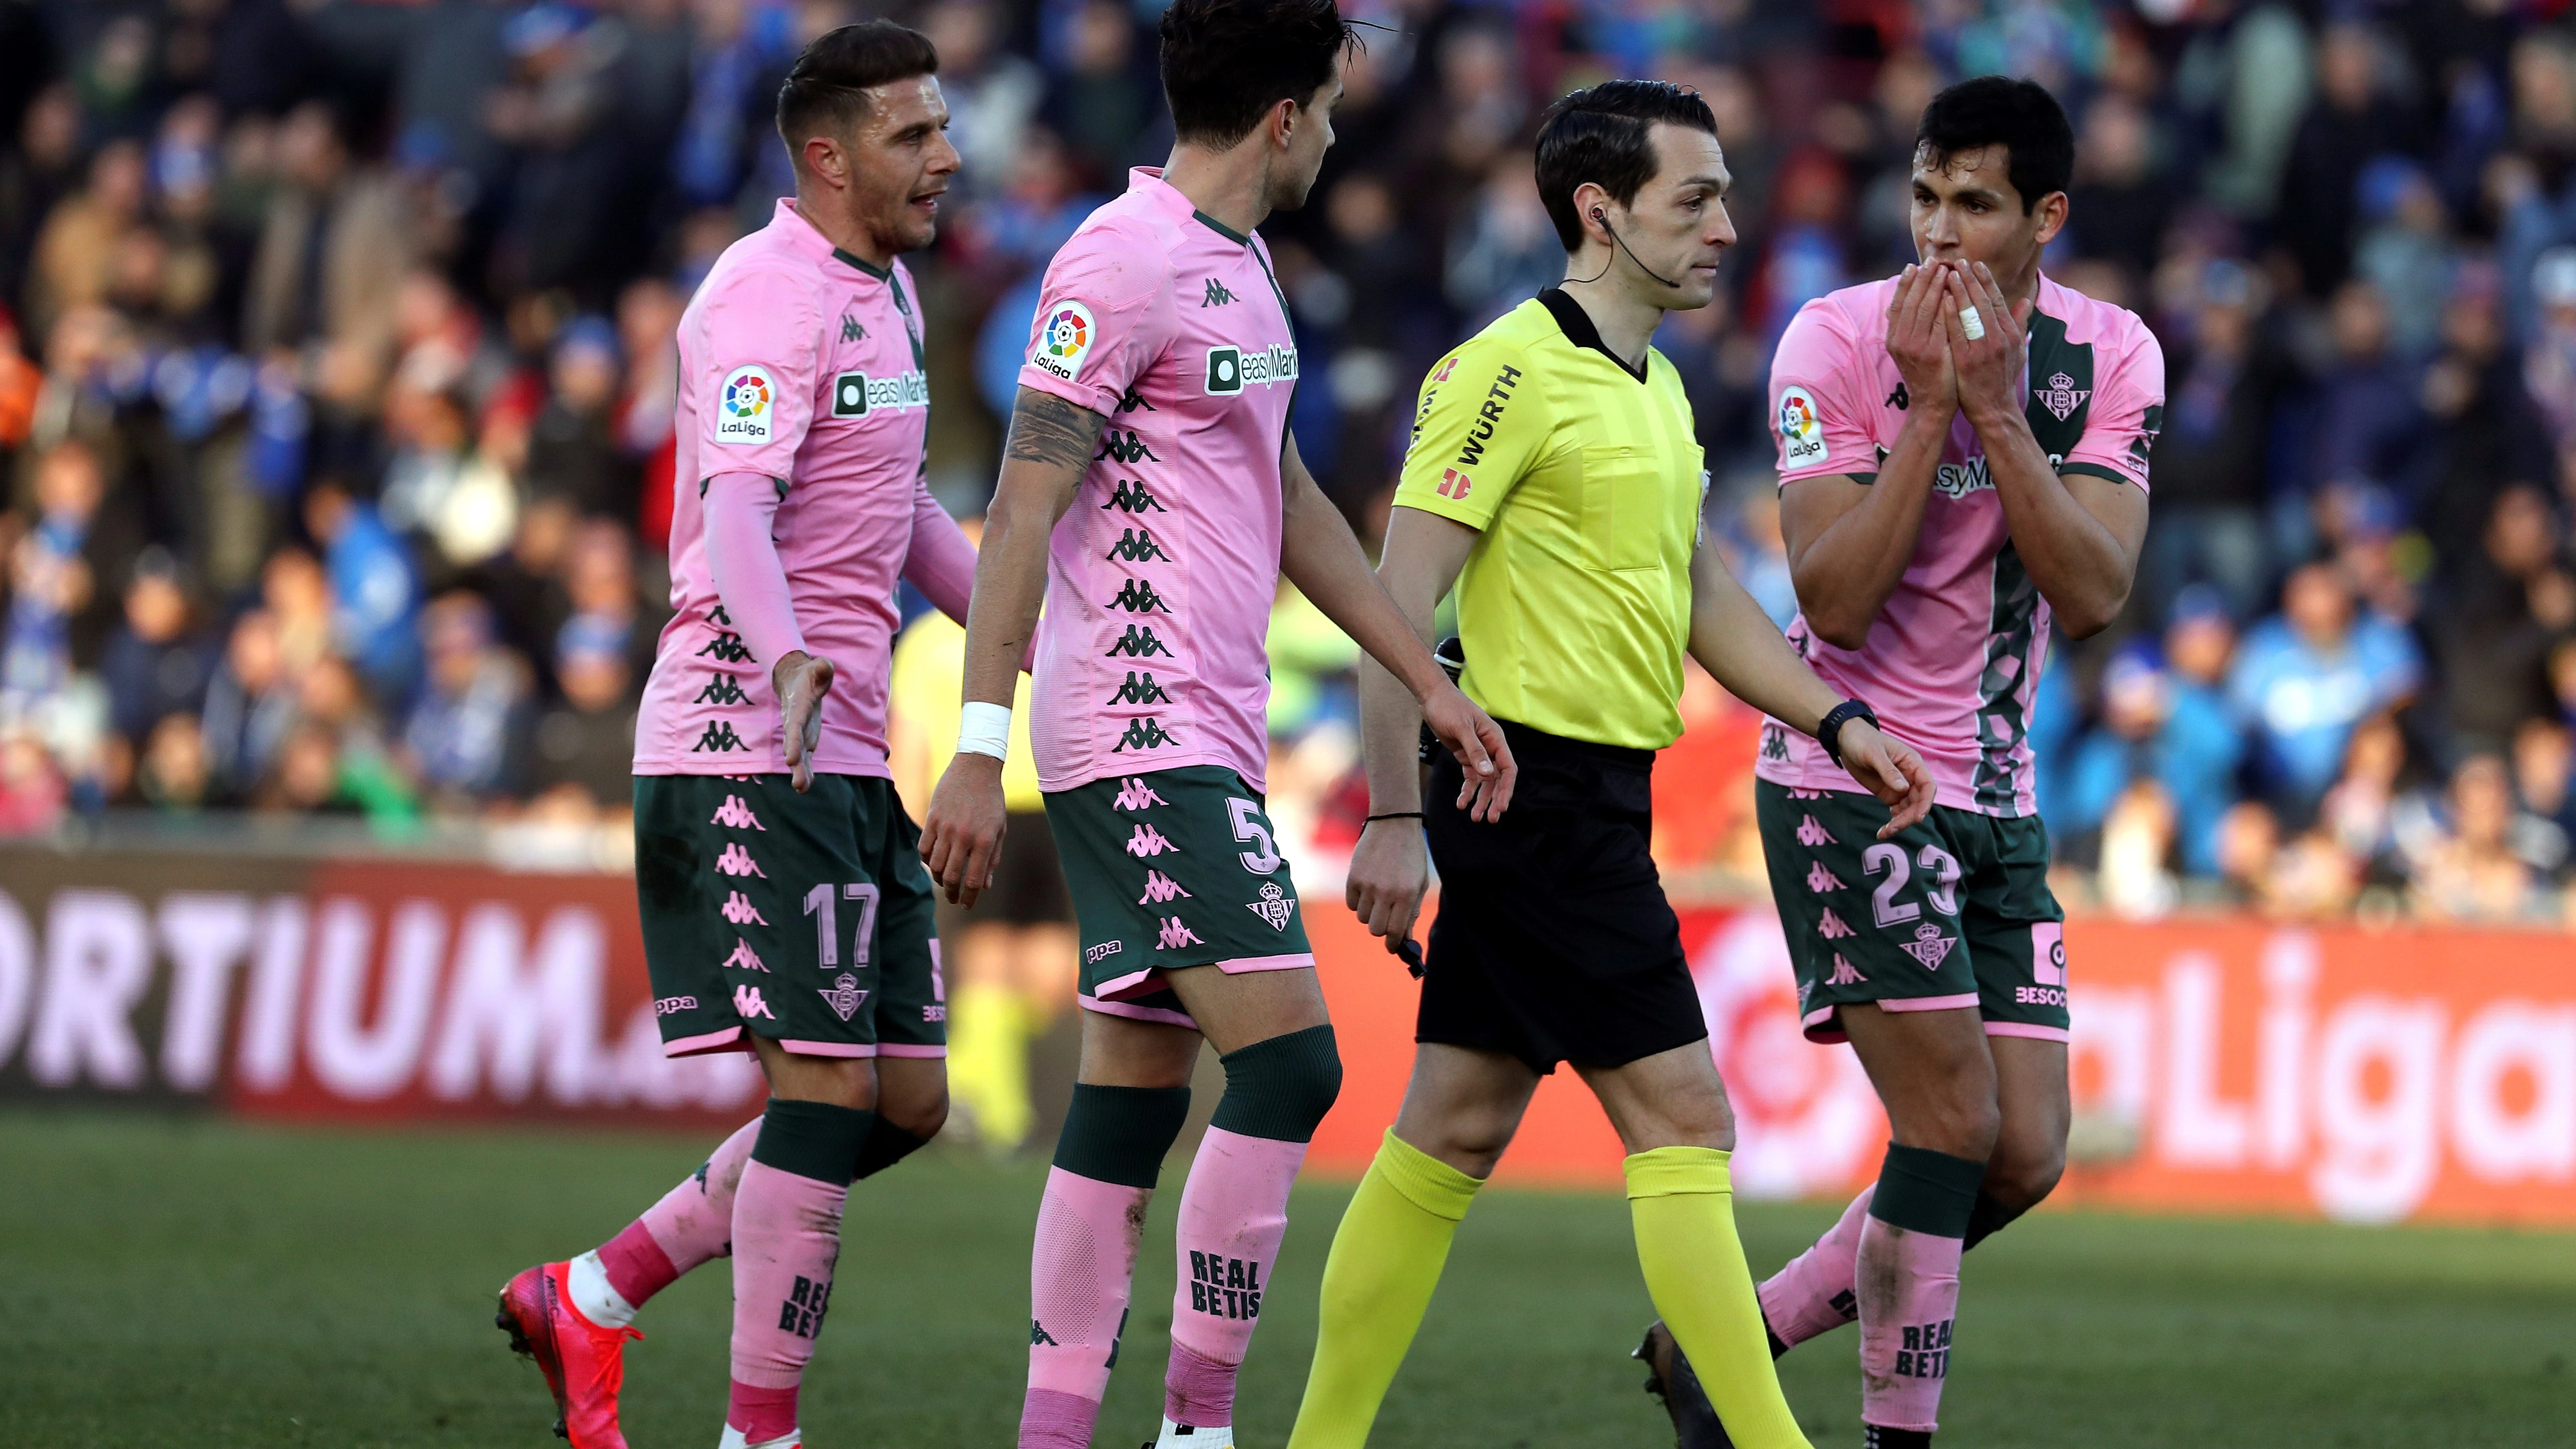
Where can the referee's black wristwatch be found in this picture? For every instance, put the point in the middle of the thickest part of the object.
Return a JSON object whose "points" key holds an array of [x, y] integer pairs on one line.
{"points": [[1829, 730]]}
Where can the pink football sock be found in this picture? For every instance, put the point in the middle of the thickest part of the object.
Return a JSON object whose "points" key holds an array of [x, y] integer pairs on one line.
{"points": [[1909, 1295], [786, 1238], [1234, 1211], [692, 1224], [1813, 1293], [1079, 1280]]}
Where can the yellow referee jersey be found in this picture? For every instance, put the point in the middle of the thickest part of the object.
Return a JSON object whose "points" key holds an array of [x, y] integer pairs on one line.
{"points": [[1585, 480], [926, 692]]}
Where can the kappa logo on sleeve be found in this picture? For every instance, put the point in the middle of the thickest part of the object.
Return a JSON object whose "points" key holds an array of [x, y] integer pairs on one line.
{"points": [[1802, 431], [1064, 339], [747, 405]]}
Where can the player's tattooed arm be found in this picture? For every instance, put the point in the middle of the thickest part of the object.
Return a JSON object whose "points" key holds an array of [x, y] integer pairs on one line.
{"points": [[1048, 430], [1042, 466]]}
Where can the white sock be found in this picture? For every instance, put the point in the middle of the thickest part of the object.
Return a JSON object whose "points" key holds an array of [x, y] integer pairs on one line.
{"points": [[593, 1296], [1201, 1436], [792, 1439]]}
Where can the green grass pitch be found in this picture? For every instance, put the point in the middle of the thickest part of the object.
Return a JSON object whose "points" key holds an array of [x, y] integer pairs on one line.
{"points": [[199, 1283]]}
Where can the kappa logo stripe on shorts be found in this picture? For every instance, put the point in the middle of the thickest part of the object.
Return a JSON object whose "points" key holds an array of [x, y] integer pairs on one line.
{"points": [[1157, 865], [806, 919]]}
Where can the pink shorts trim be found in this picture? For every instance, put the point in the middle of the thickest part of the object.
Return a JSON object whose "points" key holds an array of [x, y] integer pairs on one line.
{"points": [[1821, 1028], [1138, 1013], [2021, 1028], [727, 1040], [1108, 990], [1303, 960], [1138, 982], [909, 1049], [1926, 1003], [830, 1048]]}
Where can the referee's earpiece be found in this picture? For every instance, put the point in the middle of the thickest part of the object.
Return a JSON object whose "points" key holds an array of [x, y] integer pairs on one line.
{"points": [[1603, 218]]}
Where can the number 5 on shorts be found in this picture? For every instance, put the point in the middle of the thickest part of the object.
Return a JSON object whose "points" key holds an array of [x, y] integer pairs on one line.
{"points": [[1264, 859]]}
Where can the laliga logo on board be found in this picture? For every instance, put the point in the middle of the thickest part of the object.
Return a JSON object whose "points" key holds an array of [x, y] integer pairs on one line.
{"points": [[745, 406], [1063, 340]]}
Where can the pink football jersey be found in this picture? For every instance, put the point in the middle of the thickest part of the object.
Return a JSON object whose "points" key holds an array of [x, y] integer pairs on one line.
{"points": [[1153, 652], [802, 362], [1953, 659]]}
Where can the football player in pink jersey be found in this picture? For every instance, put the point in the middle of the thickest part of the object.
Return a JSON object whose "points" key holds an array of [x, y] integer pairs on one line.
{"points": [[1151, 493], [785, 909], [1963, 459]]}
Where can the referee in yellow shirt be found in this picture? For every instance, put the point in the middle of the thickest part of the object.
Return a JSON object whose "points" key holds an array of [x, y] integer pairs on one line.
{"points": [[1553, 478]]}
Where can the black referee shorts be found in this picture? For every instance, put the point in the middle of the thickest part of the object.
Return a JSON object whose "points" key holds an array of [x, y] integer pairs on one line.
{"points": [[1554, 942], [1028, 882]]}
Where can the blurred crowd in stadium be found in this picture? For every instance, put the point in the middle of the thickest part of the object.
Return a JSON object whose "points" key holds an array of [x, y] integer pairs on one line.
{"points": [[336, 383]]}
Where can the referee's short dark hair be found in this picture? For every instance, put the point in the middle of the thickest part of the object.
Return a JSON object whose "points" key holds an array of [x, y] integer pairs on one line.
{"points": [[1600, 134], [1994, 110], [827, 90], [1227, 62]]}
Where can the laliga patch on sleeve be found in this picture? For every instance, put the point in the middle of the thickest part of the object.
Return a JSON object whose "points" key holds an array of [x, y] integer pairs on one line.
{"points": [[1802, 432], [747, 405], [1065, 335]]}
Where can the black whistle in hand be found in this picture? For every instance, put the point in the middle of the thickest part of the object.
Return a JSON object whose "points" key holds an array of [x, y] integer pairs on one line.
{"points": [[1410, 954]]}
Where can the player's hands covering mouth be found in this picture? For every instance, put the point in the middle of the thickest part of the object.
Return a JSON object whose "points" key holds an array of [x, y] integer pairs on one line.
{"points": [[800, 681], [1989, 368], [1918, 342], [1892, 771]]}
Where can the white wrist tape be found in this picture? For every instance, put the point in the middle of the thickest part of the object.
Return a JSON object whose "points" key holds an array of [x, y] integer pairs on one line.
{"points": [[985, 729]]}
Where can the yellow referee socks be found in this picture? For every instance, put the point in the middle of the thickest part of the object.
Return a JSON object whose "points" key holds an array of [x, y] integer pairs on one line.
{"points": [[1386, 1259], [988, 1062], [1683, 1205]]}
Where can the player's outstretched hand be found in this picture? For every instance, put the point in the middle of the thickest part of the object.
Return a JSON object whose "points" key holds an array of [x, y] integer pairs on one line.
{"points": [[800, 681], [1482, 752], [1390, 871], [1917, 341], [963, 836], [1892, 771], [1989, 366]]}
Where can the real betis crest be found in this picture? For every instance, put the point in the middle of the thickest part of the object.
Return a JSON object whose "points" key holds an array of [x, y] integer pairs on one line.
{"points": [[1929, 946], [843, 996], [1274, 906], [2061, 397]]}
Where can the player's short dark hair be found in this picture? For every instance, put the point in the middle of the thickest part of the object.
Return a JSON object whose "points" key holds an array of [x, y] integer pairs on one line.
{"points": [[827, 89], [1600, 134], [1994, 110], [1227, 62]]}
